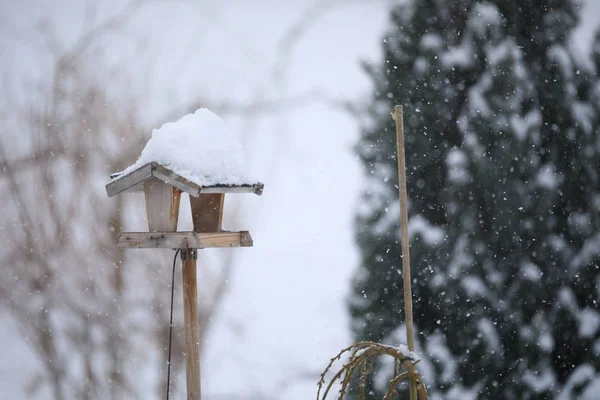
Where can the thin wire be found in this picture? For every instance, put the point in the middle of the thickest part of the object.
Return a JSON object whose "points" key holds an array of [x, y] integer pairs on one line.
{"points": [[171, 323]]}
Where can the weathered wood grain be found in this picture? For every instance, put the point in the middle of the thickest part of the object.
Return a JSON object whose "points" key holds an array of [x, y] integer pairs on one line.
{"points": [[170, 177], [128, 181], [162, 205], [207, 212], [184, 240], [192, 327]]}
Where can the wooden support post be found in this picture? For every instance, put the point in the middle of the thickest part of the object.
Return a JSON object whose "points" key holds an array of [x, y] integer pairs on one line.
{"points": [[192, 330]]}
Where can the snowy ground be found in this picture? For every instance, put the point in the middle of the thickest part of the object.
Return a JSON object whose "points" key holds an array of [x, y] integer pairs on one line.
{"points": [[284, 315]]}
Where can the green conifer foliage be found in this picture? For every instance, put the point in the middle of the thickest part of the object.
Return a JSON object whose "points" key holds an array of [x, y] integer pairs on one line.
{"points": [[503, 166]]}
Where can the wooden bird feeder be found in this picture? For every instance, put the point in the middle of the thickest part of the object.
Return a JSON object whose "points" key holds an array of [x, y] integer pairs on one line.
{"points": [[162, 188]]}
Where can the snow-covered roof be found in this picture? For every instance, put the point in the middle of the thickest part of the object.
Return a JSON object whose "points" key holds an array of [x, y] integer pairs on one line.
{"points": [[196, 153]]}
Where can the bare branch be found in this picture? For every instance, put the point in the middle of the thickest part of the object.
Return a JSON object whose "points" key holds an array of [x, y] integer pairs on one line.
{"points": [[111, 24]]}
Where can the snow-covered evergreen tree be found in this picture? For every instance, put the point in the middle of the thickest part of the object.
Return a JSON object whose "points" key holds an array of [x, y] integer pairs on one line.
{"points": [[503, 167]]}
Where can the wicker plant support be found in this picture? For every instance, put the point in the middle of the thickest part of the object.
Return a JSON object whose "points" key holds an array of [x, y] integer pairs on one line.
{"points": [[364, 355]]}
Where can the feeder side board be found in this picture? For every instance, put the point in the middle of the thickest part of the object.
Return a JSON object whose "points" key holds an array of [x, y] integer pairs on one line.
{"points": [[207, 212], [162, 205]]}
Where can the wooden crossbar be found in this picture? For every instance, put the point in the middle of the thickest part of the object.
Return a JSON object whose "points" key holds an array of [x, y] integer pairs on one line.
{"points": [[184, 240]]}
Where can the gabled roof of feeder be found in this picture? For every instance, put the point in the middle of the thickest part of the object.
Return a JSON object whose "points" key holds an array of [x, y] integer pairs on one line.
{"points": [[196, 154], [134, 181]]}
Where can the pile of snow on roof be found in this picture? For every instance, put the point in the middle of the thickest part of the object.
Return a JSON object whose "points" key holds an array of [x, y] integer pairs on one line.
{"points": [[198, 147]]}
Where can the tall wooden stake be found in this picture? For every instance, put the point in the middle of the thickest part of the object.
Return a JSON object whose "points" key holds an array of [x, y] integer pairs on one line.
{"points": [[398, 117], [192, 330]]}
